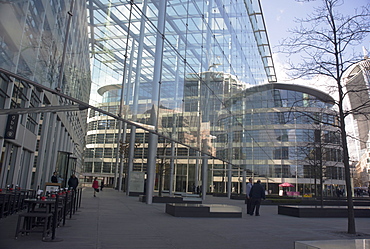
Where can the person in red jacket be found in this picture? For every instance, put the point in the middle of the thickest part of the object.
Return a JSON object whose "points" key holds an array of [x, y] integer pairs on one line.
{"points": [[95, 186]]}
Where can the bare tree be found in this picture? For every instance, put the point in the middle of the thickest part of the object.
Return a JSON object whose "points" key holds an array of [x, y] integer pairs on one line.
{"points": [[320, 155], [325, 40]]}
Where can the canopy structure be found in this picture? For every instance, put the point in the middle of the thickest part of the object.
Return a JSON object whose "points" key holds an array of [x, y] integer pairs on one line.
{"points": [[286, 184]]}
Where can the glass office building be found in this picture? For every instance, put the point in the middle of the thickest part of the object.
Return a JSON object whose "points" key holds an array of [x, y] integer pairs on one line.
{"points": [[177, 63], [184, 69], [286, 133], [169, 80], [357, 80], [276, 133], [44, 60]]}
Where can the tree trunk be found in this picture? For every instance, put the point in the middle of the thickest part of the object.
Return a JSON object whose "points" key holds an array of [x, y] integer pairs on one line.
{"points": [[347, 170], [160, 184]]}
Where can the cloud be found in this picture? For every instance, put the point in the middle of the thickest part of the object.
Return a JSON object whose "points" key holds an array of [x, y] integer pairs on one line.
{"points": [[319, 82], [280, 15]]}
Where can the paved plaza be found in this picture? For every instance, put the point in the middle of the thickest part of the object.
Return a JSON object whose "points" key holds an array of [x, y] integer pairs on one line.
{"points": [[113, 220]]}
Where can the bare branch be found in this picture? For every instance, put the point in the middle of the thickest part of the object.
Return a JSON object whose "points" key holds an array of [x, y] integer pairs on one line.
{"points": [[323, 39]]}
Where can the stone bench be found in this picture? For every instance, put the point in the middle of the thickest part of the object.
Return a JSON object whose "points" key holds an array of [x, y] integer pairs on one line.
{"points": [[337, 244], [171, 199], [325, 212], [203, 210]]}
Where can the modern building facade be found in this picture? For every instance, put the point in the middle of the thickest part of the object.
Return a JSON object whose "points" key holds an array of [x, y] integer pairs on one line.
{"points": [[286, 133], [154, 49], [184, 97], [357, 80], [43, 57], [276, 133], [200, 75]]}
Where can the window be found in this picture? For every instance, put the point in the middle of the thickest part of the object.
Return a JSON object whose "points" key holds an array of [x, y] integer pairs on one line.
{"points": [[281, 153], [107, 167]]}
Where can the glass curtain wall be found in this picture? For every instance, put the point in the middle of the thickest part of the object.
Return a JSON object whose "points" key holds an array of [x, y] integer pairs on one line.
{"points": [[175, 63], [293, 138], [45, 42]]}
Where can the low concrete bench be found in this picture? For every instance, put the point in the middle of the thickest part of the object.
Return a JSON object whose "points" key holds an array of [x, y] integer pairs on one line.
{"points": [[171, 199], [337, 244], [322, 212], [203, 210]]}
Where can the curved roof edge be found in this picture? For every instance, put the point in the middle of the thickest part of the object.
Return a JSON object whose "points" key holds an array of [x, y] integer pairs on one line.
{"points": [[257, 20], [324, 97], [356, 68], [106, 88]]}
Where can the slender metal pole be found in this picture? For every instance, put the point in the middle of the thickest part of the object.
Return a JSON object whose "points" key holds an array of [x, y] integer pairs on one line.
{"points": [[123, 139], [172, 168], [118, 154], [204, 176], [121, 114], [55, 216], [61, 71], [131, 145], [65, 208], [135, 92], [157, 77]]}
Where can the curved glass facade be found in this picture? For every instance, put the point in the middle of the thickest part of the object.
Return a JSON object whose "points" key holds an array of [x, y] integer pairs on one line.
{"points": [[279, 133], [286, 133]]}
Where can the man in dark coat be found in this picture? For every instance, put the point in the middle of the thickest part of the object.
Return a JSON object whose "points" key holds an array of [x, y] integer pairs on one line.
{"points": [[247, 198], [54, 177], [73, 182], [256, 194]]}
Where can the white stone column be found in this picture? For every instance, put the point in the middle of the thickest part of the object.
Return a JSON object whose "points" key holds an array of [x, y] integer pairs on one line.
{"points": [[153, 138]]}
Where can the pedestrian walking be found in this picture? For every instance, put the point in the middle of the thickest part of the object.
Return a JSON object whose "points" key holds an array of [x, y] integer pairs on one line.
{"points": [[73, 182], [247, 198], [256, 194], [95, 186]]}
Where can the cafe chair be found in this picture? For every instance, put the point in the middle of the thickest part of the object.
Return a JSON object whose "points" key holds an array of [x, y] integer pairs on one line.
{"points": [[30, 223]]}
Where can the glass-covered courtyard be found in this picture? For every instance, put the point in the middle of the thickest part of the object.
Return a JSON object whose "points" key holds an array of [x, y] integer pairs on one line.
{"points": [[180, 95]]}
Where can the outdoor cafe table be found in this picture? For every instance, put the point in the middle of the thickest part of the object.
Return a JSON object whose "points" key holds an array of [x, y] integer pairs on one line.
{"points": [[51, 207], [32, 203]]}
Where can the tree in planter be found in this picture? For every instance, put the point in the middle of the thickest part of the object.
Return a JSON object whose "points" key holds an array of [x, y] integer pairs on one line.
{"points": [[318, 153], [318, 142], [162, 164], [124, 155], [323, 40]]}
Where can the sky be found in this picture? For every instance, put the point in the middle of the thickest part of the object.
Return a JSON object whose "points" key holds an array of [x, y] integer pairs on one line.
{"points": [[279, 16]]}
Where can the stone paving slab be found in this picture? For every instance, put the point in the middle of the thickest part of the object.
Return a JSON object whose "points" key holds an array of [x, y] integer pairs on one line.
{"points": [[113, 220]]}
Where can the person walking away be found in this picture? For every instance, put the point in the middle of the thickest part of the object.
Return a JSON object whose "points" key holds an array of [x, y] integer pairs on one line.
{"points": [[95, 186], [101, 186], [256, 194], [54, 177], [73, 182], [247, 198]]}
